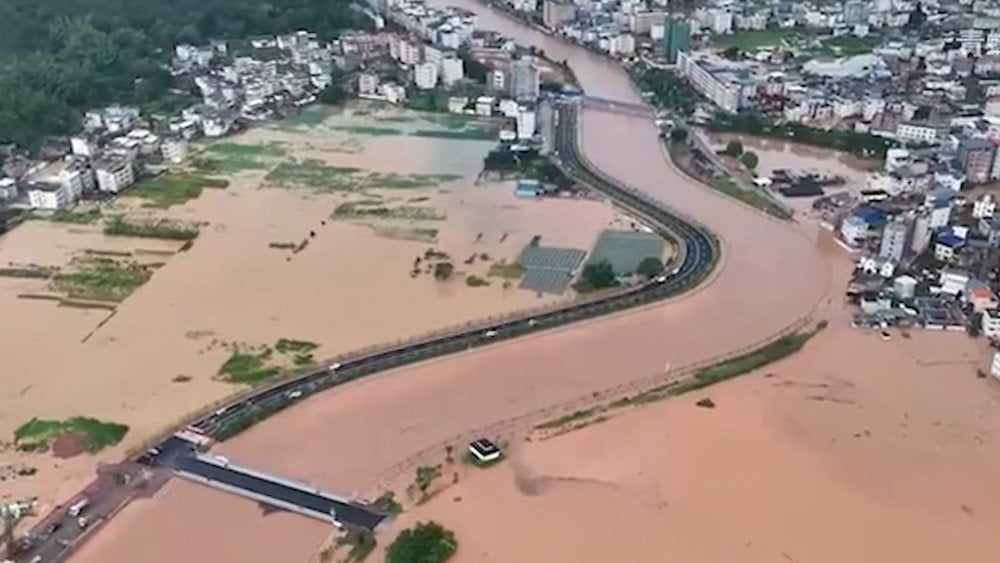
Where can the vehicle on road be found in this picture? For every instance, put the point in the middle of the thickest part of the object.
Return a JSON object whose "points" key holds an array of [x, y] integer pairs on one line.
{"points": [[294, 394], [490, 333], [78, 507], [334, 367]]}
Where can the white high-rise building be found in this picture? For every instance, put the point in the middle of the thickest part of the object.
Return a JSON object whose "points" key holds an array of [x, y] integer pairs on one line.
{"points": [[425, 76], [114, 174], [722, 22], [895, 237], [524, 80], [526, 123], [452, 71]]}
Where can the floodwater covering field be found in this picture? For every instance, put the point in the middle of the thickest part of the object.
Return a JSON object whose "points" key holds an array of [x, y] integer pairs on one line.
{"points": [[317, 229]]}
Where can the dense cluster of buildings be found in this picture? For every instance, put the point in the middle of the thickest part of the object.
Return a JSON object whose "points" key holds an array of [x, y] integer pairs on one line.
{"points": [[234, 84]]}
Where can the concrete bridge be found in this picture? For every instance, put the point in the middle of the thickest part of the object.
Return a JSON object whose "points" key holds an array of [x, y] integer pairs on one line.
{"points": [[617, 106]]}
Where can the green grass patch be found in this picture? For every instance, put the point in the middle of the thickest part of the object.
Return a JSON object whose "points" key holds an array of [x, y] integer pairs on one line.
{"points": [[369, 130], [847, 46], [168, 104], [308, 118], [101, 279], [510, 271], [174, 188], [288, 346], [314, 174], [476, 281], [566, 419], [95, 434], [249, 367], [351, 210], [229, 157], [756, 39], [361, 541], [470, 134], [64, 216], [394, 181], [751, 197], [31, 272], [300, 360], [118, 226]]}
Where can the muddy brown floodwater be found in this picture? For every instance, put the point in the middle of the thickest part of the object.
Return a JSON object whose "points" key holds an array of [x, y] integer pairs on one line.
{"points": [[849, 451]]}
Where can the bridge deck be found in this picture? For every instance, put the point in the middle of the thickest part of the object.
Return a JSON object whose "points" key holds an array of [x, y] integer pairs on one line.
{"points": [[275, 491]]}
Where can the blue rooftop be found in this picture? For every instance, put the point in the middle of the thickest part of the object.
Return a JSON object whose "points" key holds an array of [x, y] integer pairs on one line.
{"points": [[950, 240], [870, 215]]}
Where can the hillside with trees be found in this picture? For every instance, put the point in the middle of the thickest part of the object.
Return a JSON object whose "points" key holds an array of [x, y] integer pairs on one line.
{"points": [[61, 57]]}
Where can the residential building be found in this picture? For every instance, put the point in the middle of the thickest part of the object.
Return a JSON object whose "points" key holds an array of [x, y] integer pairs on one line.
{"points": [[82, 145], [72, 173], [917, 132], [452, 71], [856, 227], [48, 196], [946, 246], [712, 80], [174, 150], [425, 76], [496, 80], [524, 80], [721, 21], [991, 324], [526, 123], [557, 12], [114, 173], [855, 12], [484, 106], [984, 207], [976, 158], [676, 37], [367, 84], [895, 240], [8, 189]]}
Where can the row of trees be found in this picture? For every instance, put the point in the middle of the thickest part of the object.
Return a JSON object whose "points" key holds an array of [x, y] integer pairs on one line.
{"points": [[748, 158], [60, 57]]}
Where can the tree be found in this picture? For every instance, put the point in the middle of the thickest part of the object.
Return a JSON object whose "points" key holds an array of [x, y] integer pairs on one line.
{"points": [[649, 267], [427, 542], [734, 148], [598, 275], [750, 160], [732, 53], [678, 135], [333, 95], [443, 270]]}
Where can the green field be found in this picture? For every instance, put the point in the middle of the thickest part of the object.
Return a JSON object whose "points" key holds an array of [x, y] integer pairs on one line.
{"points": [[249, 367], [101, 279], [174, 188], [407, 212], [96, 435], [120, 227], [65, 216], [229, 157], [467, 134], [314, 174], [757, 39], [510, 271]]}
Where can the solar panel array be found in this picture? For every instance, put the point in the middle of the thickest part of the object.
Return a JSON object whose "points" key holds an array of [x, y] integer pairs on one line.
{"points": [[549, 269]]}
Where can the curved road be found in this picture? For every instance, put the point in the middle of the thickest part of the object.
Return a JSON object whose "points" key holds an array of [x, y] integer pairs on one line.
{"points": [[699, 253]]}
